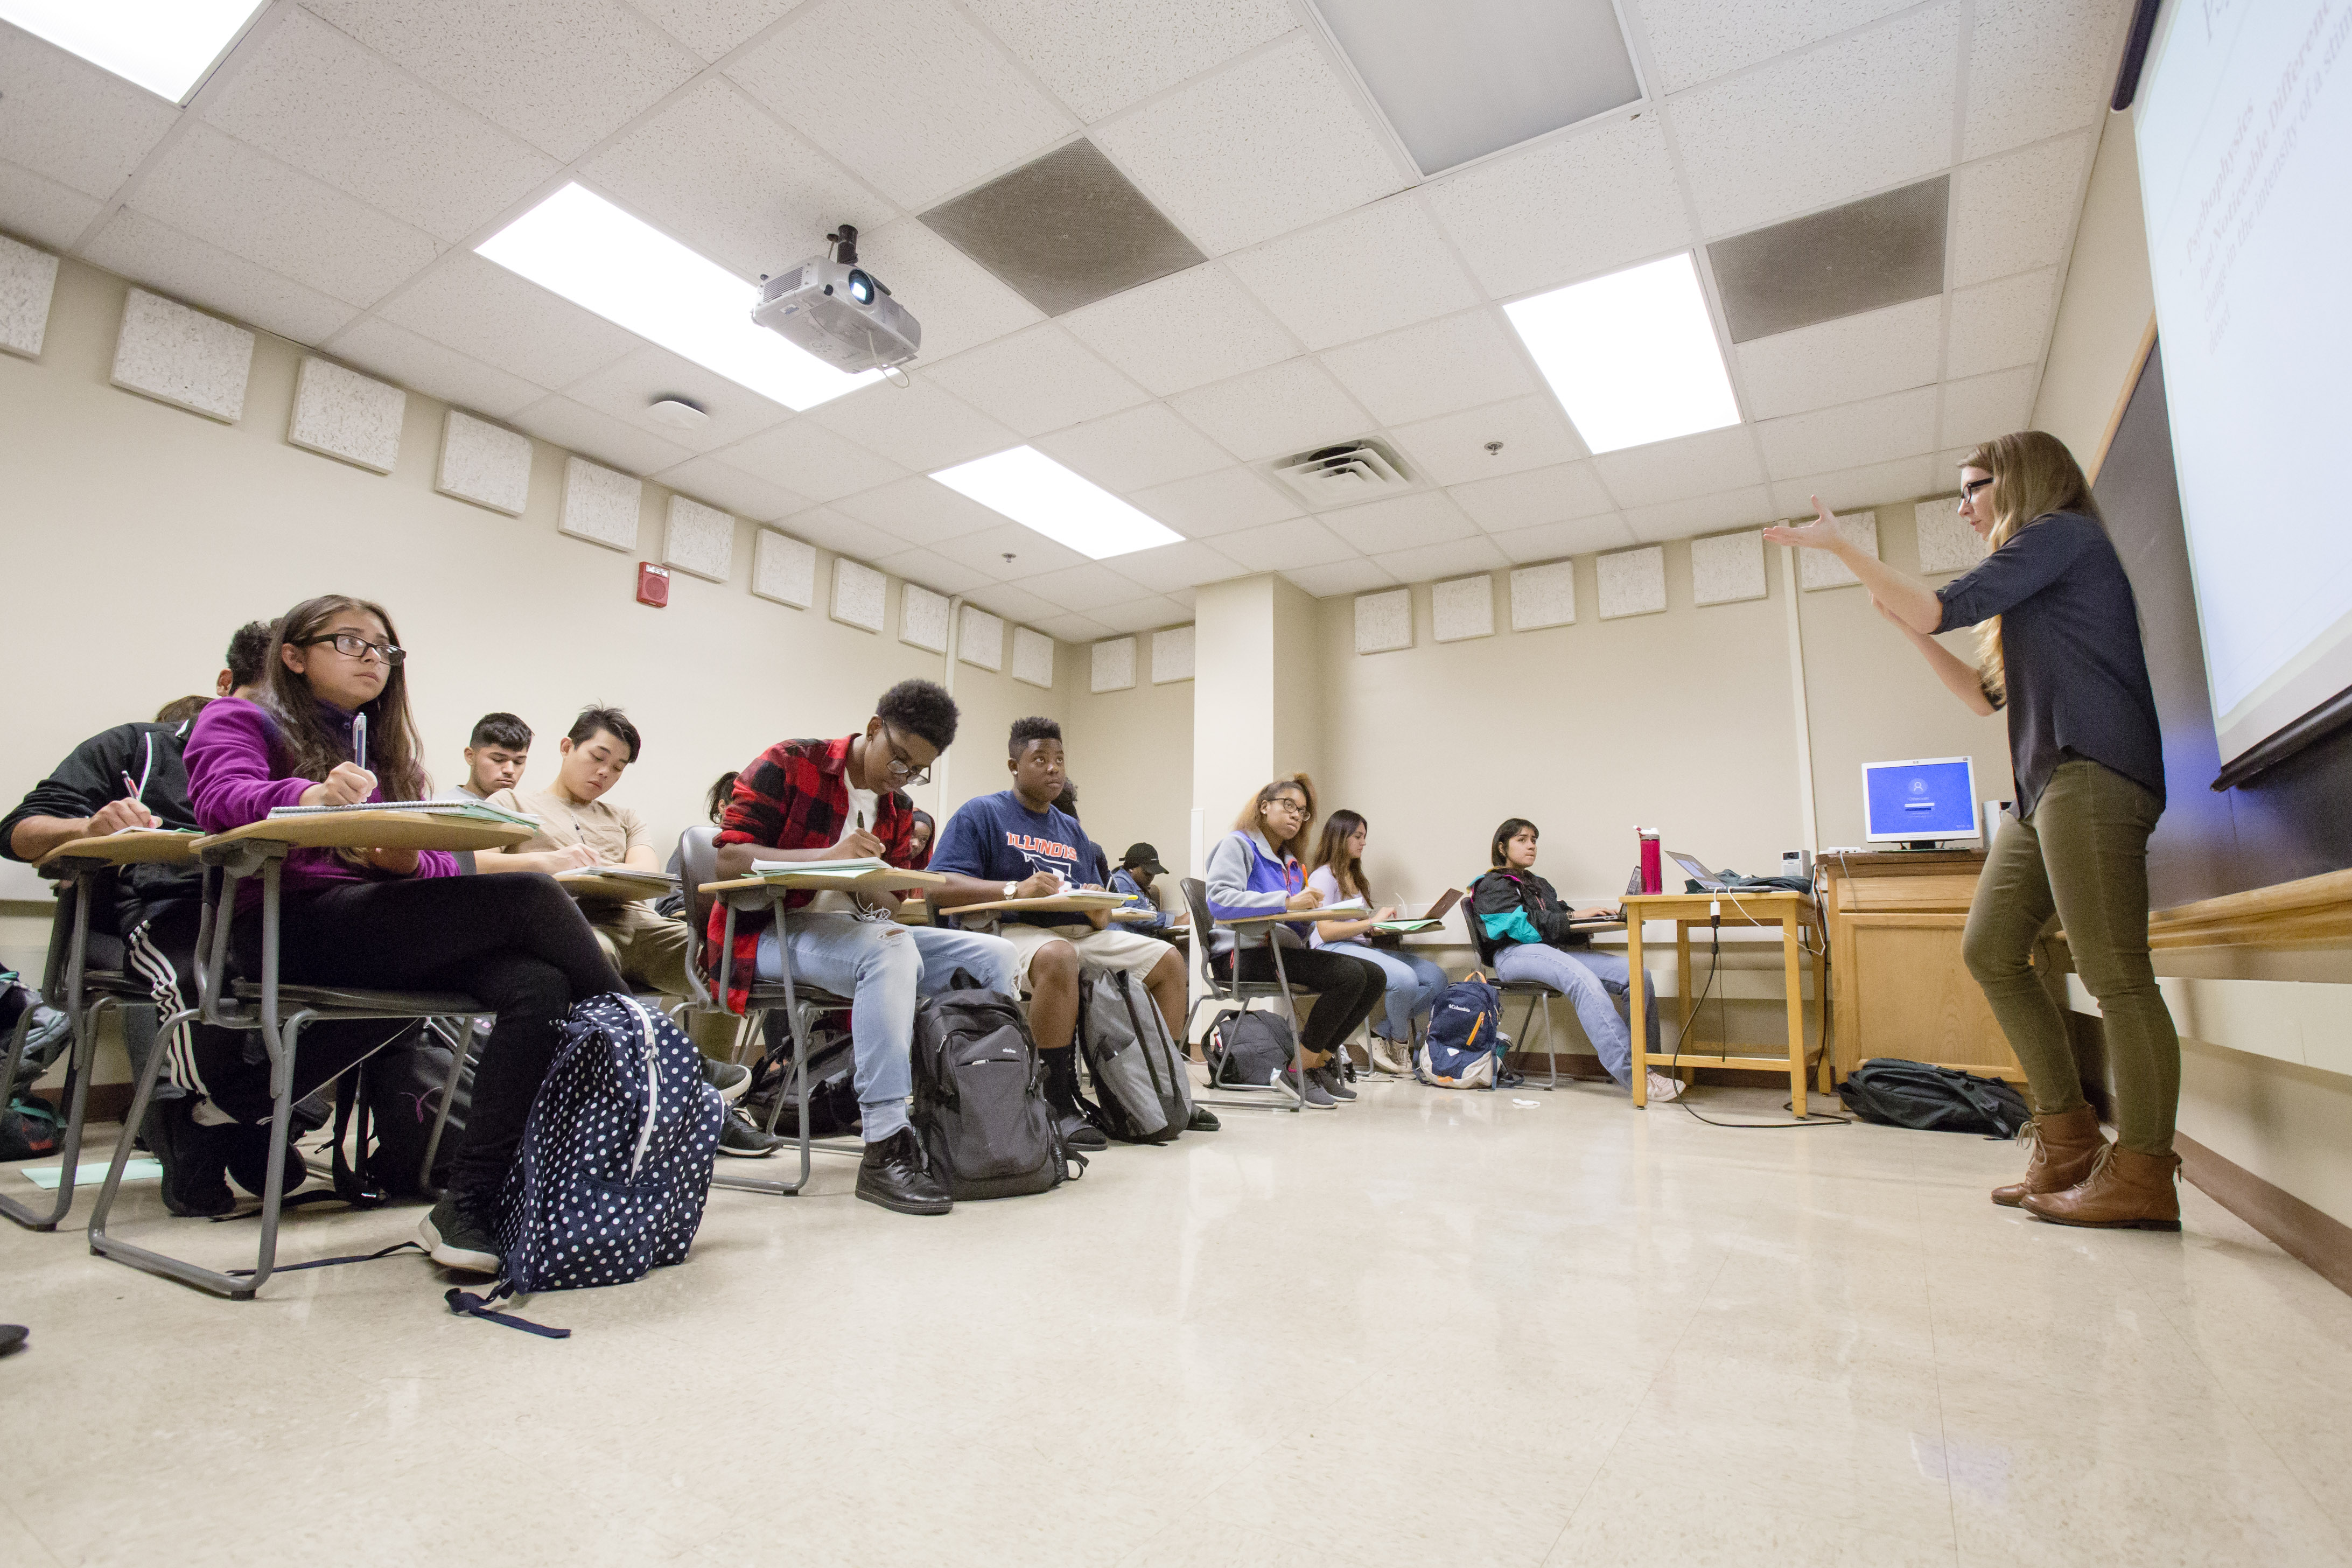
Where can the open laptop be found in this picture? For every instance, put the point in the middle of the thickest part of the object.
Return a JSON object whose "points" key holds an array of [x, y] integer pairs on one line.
{"points": [[1695, 869]]}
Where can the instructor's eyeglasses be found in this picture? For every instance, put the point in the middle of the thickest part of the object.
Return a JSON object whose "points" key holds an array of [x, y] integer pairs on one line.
{"points": [[352, 645], [1968, 490]]}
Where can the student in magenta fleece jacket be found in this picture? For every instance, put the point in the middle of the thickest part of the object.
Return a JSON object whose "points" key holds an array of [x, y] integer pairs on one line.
{"points": [[388, 919]]}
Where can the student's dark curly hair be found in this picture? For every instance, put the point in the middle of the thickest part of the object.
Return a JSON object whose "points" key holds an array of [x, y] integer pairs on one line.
{"points": [[248, 654], [1026, 731], [921, 708], [1505, 833], [503, 730]]}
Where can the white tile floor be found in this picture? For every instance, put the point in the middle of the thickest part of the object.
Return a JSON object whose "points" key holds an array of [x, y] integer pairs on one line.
{"points": [[1431, 1327]]}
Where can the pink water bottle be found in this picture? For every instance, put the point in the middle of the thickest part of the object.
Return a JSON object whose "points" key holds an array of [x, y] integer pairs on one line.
{"points": [[1653, 874]]}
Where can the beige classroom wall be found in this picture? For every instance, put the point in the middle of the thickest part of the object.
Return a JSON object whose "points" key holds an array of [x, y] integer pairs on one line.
{"points": [[2106, 306], [1131, 752]]}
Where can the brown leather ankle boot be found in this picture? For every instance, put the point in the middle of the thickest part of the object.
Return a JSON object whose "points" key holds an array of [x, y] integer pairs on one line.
{"points": [[2065, 1146], [2126, 1190]]}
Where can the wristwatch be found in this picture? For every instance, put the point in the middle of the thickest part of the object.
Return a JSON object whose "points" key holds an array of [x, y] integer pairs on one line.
{"points": [[1012, 890]]}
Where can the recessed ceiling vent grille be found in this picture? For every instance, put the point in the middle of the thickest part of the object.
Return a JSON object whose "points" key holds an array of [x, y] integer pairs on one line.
{"points": [[1342, 475]]}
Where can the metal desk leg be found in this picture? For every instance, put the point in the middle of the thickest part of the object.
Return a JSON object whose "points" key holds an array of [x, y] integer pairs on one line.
{"points": [[1633, 990], [1297, 1030], [800, 1060], [81, 1050]]}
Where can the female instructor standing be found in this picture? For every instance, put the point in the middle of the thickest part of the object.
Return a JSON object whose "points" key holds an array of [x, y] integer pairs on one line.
{"points": [[2060, 649]]}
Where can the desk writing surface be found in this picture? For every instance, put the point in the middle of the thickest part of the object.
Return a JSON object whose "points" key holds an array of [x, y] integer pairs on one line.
{"points": [[618, 884], [886, 881], [1057, 903], [1289, 915], [138, 847], [388, 828]]}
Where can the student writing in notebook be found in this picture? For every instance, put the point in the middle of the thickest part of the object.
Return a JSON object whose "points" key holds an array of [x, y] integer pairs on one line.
{"points": [[1413, 981]]}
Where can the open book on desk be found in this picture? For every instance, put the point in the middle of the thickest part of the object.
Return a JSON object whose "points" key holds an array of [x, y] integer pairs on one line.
{"points": [[831, 871], [464, 810]]}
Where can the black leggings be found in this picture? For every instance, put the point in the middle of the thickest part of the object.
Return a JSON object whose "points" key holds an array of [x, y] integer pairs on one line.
{"points": [[515, 943], [1347, 988]]}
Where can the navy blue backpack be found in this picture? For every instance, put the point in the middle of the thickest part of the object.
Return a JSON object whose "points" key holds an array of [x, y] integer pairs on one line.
{"points": [[1464, 1046]]}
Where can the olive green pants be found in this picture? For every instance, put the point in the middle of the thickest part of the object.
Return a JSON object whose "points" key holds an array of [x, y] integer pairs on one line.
{"points": [[2081, 855]]}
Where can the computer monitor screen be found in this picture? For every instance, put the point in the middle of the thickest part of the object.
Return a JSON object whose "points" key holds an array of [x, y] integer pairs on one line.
{"points": [[1926, 797]]}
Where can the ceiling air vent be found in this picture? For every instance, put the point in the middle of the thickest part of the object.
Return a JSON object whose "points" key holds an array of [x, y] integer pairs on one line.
{"points": [[1342, 475]]}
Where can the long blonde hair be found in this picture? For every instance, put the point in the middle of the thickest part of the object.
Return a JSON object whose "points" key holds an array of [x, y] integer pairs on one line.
{"points": [[2034, 475]]}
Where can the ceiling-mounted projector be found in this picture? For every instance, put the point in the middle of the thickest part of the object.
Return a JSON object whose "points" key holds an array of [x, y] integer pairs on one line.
{"points": [[839, 311]]}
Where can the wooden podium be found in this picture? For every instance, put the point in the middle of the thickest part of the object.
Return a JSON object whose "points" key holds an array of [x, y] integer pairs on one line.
{"points": [[1901, 986]]}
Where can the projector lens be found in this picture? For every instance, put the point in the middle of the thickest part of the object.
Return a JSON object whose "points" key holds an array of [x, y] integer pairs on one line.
{"points": [[861, 287]]}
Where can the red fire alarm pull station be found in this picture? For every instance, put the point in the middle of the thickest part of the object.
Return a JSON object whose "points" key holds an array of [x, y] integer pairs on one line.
{"points": [[653, 584]]}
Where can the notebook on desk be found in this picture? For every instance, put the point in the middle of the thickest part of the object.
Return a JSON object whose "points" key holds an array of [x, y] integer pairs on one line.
{"points": [[467, 810]]}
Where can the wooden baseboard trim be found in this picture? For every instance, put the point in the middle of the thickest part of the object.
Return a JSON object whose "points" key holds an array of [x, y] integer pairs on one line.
{"points": [[2319, 1241]]}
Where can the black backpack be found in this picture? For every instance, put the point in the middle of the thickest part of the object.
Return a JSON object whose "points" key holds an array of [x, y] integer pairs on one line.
{"points": [[1145, 1095], [1247, 1049], [834, 1109], [980, 1097], [1899, 1093]]}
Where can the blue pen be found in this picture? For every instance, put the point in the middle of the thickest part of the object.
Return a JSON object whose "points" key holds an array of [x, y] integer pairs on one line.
{"points": [[359, 741]]}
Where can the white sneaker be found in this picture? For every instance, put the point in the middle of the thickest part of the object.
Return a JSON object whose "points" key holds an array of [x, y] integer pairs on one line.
{"points": [[1663, 1087]]}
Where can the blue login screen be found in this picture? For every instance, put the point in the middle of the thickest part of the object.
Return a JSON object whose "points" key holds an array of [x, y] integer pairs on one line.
{"points": [[1919, 800]]}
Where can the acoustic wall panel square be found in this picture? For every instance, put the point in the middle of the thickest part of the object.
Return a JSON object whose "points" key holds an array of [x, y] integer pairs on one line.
{"points": [[1114, 665], [483, 464], [601, 505], [1633, 583], [701, 539], [1171, 656], [1543, 596], [1384, 621], [922, 617], [341, 413], [1463, 609], [1947, 542], [981, 640], [783, 569], [859, 595], [1032, 657], [183, 357], [1727, 568], [1820, 569], [28, 278]]}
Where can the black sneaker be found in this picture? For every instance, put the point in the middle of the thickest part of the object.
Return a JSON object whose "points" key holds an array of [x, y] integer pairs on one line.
{"points": [[729, 1079], [1329, 1076], [1079, 1132], [195, 1159], [895, 1174], [1203, 1121], [457, 1238], [249, 1155], [741, 1138]]}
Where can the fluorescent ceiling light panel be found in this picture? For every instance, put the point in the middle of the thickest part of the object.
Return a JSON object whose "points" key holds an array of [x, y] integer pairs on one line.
{"points": [[166, 45], [1038, 494], [578, 245], [1631, 357]]}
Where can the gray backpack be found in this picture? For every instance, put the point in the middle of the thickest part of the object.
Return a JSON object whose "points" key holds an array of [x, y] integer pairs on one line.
{"points": [[1143, 1093], [980, 1097]]}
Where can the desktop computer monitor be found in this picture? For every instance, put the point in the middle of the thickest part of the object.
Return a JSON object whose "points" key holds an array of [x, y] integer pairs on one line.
{"points": [[1921, 801]]}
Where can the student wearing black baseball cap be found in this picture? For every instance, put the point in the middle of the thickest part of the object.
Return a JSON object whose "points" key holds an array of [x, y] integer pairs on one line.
{"points": [[1133, 878]]}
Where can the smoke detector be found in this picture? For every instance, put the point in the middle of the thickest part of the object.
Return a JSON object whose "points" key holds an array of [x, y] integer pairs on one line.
{"points": [[1344, 474], [677, 413]]}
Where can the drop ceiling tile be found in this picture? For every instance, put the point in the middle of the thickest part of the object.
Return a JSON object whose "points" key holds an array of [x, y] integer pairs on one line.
{"points": [[320, 101], [916, 426], [2036, 69], [1693, 41], [919, 508], [957, 303], [626, 389], [1438, 367], [1700, 514], [1253, 151], [2015, 213], [1906, 478], [1014, 604], [932, 570], [481, 308], [713, 28], [1031, 553], [733, 182], [1996, 325], [1282, 546], [66, 120], [561, 74], [1099, 56], [36, 208], [1183, 330], [1853, 436], [227, 195], [1339, 577], [1843, 361], [1073, 628], [1085, 587], [1039, 380], [1294, 406], [172, 263], [1141, 446], [1452, 448], [1688, 466], [1833, 123], [1984, 406], [615, 443], [1400, 523], [828, 529], [1371, 270], [730, 489], [1582, 204], [805, 456], [1148, 613], [1216, 503], [382, 349], [1554, 541], [1168, 568], [1428, 562], [907, 93], [1535, 495]]}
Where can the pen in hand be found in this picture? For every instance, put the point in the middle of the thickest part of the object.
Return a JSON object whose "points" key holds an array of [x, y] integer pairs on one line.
{"points": [[359, 741]]}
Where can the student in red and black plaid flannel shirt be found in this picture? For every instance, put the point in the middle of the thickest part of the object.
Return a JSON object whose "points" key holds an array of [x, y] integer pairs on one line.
{"points": [[836, 800]]}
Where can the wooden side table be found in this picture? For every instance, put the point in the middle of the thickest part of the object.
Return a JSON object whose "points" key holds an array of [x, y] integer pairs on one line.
{"points": [[1793, 913]]}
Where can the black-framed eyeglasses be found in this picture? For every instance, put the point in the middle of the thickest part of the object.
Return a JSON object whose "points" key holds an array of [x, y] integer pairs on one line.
{"points": [[1969, 488], [351, 645], [902, 769]]}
